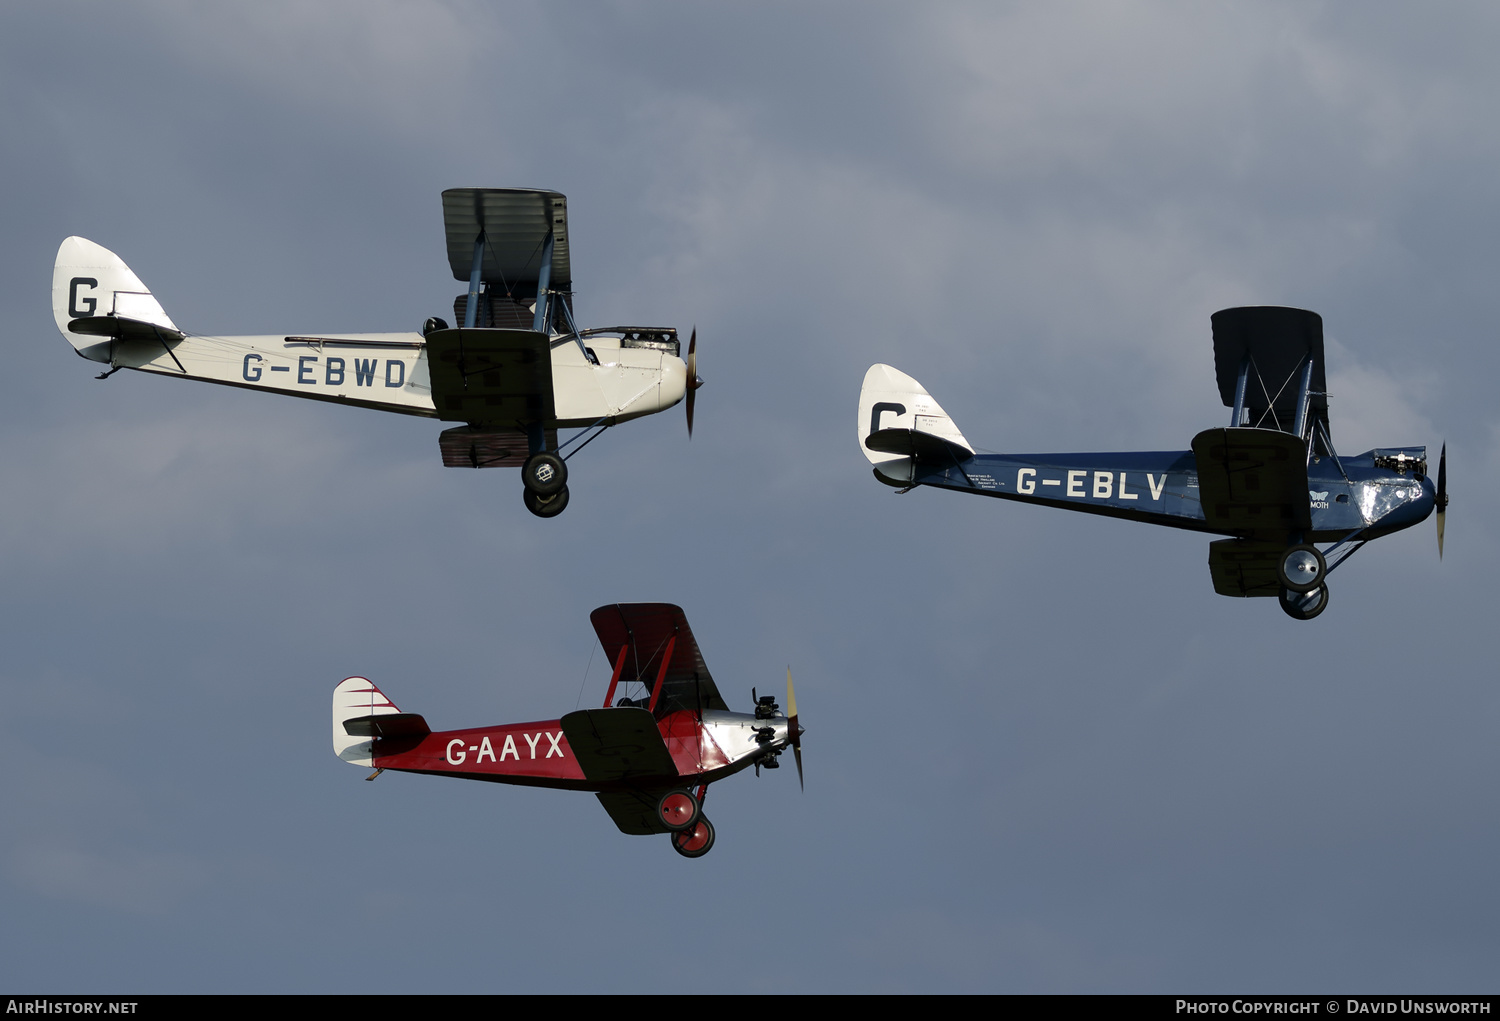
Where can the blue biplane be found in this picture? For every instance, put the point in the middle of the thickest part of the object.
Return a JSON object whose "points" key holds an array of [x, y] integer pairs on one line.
{"points": [[1271, 480]]}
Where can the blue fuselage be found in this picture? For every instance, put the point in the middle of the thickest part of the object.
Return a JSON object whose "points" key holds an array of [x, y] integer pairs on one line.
{"points": [[1345, 495]]}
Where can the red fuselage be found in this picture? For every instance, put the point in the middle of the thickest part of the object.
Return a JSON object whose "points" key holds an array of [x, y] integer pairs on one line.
{"points": [[538, 754]]}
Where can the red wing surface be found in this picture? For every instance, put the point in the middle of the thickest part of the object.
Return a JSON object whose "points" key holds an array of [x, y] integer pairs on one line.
{"points": [[646, 630]]}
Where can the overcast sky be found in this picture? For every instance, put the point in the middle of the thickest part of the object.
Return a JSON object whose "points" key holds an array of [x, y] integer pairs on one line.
{"points": [[1041, 754]]}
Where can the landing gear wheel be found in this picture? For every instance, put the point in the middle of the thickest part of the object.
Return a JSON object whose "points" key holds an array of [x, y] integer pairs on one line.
{"points": [[546, 506], [544, 473], [678, 810], [696, 841], [1301, 568], [1305, 605]]}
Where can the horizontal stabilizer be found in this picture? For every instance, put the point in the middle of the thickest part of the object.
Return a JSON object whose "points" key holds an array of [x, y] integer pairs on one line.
{"points": [[389, 726], [924, 447], [120, 328]]}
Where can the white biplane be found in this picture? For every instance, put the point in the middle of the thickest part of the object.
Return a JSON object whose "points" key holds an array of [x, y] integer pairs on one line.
{"points": [[514, 373]]}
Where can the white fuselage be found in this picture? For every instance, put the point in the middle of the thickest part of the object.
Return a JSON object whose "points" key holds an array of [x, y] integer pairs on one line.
{"points": [[388, 371]]}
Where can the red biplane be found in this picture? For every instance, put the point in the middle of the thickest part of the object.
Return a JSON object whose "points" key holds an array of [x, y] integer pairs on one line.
{"points": [[642, 756]]}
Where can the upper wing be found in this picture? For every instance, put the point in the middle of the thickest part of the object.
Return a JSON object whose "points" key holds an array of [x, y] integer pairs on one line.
{"points": [[1253, 482], [499, 377], [644, 630], [1276, 341], [515, 222]]}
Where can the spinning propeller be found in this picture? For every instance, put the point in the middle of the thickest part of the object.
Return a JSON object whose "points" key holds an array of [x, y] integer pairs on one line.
{"points": [[765, 709], [793, 729], [1442, 496], [693, 382]]}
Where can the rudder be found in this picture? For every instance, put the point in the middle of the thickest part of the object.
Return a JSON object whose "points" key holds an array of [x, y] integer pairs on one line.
{"points": [[89, 281], [357, 698], [890, 399]]}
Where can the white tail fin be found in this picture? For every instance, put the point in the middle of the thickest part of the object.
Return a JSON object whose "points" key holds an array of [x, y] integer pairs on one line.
{"points": [[89, 280], [890, 399], [353, 698]]}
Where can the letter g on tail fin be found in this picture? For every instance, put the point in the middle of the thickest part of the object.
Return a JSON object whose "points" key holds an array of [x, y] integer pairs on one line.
{"points": [[90, 281], [892, 400]]}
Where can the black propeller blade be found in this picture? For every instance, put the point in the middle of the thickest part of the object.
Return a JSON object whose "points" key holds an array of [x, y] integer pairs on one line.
{"points": [[693, 382], [1442, 496], [793, 729]]}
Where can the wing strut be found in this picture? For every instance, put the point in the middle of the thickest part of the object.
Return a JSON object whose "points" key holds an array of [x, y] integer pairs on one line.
{"points": [[1304, 385], [609, 696], [1321, 429], [661, 675], [544, 280], [567, 319], [1237, 417], [471, 309]]}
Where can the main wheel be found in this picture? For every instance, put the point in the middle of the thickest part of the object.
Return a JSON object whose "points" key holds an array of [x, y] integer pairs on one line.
{"points": [[678, 810], [1302, 568], [695, 842], [545, 506], [1305, 605], [544, 473]]}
